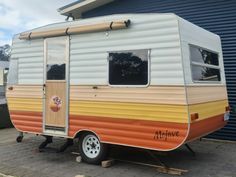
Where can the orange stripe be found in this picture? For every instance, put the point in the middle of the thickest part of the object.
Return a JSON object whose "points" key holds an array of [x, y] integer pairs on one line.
{"points": [[27, 121], [206, 126], [139, 133], [136, 133]]}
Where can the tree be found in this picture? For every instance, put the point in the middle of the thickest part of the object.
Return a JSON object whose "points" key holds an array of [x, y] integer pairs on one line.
{"points": [[5, 52]]}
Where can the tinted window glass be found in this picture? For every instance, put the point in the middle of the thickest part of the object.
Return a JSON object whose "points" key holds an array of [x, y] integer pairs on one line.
{"points": [[56, 56], [203, 56], [56, 72], [128, 67], [201, 73]]}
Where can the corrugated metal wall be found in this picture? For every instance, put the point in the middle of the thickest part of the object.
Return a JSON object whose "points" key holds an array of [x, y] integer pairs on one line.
{"points": [[30, 60], [162, 37], [93, 48], [218, 16]]}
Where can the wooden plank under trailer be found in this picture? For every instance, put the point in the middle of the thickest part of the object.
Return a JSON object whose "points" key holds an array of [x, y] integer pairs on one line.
{"points": [[162, 168]]}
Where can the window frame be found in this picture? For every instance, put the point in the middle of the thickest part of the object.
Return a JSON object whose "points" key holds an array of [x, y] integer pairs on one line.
{"points": [[66, 39], [204, 65], [131, 86]]}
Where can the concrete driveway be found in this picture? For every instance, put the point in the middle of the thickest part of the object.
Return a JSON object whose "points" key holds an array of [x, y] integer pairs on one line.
{"points": [[213, 159]]}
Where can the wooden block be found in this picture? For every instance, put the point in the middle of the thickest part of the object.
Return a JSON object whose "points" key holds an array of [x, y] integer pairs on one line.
{"points": [[169, 171], [3, 175], [75, 153], [78, 159], [107, 163]]}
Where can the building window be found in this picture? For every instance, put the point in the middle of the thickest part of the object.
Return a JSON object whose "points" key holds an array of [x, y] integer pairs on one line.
{"points": [[1, 77], [5, 75], [204, 64], [3, 81], [128, 67], [12, 78]]}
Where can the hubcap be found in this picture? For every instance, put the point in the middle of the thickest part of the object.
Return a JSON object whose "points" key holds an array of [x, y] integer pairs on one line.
{"points": [[91, 146]]}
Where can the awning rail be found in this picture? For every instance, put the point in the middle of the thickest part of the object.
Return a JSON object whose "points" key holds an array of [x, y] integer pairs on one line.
{"points": [[114, 25]]}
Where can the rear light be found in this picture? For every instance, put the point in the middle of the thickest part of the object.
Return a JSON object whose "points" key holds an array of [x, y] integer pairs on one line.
{"points": [[194, 116], [226, 115], [227, 108]]}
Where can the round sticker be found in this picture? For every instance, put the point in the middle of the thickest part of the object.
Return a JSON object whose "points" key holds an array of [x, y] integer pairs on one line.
{"points": [[55, 103]]}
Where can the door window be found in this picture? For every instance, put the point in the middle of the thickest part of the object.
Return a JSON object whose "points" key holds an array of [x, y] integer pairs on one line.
{"points": [[56, 59]]}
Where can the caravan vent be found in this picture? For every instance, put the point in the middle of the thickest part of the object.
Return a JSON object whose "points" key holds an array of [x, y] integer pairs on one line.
{"points": [[48, 127]]}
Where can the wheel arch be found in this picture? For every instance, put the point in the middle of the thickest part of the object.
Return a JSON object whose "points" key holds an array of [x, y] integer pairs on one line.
{"points": [[82, 131]]}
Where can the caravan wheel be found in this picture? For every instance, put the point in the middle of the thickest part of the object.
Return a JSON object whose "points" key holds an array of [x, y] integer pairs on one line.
{"points": [[91, 149]]}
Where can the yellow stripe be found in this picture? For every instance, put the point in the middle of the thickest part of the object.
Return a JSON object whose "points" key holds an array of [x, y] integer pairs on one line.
{"points": [[156, 112], [210, 109], [25, 104], [165, 113]]}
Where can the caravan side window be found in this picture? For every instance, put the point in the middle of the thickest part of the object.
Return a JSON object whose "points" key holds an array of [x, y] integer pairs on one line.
{"points": [[13, 72], [204, 64], [128, 67]]}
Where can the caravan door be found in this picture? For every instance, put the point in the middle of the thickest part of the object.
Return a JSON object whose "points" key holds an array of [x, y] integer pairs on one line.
{"points": [[56, 85]]}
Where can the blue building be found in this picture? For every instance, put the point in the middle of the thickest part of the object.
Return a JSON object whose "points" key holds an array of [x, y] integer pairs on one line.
{"points": [[217, 16]]}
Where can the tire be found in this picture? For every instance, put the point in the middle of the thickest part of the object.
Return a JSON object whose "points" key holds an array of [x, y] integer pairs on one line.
{"points": [[91, 149]]}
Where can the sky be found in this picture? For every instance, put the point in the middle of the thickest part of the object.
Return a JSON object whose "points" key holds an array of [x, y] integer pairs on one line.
{"points": [[20, 15]]}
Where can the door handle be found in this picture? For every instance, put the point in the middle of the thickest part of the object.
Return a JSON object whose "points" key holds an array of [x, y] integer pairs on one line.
{"points": [[10, 88], [44, 88]]}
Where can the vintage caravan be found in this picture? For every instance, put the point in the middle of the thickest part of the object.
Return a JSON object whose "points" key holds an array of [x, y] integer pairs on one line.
{"points": [[153, 81]]}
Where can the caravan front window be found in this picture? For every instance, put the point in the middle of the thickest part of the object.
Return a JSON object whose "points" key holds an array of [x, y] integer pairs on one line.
{"points": [[128, 67], [13, 72], [204, 64]]}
